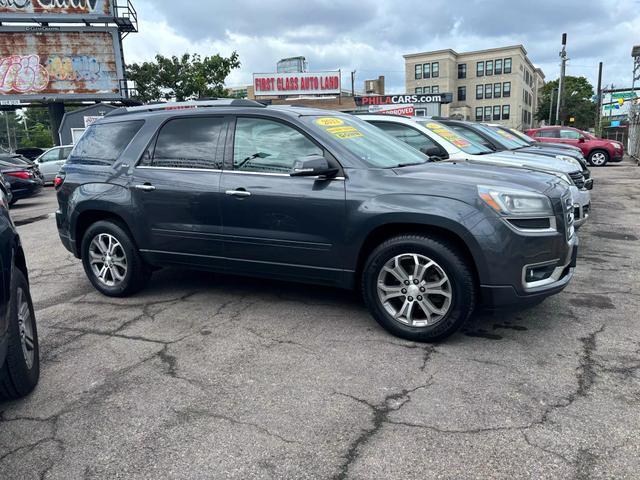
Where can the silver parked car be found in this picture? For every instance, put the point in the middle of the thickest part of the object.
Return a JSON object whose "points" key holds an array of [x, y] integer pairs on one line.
{"points": [[51, 161]]}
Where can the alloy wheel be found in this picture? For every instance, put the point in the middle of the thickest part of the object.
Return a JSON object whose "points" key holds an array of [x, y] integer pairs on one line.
{"points": [[107, 259], [598, 159], [25, 327], [414, 290]]}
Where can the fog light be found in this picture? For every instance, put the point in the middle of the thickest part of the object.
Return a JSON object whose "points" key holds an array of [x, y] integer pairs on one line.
{"points": [[535, 274]]}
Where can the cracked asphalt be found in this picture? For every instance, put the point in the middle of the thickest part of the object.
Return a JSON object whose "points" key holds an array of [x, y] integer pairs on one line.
{"points": [[208, 376]]}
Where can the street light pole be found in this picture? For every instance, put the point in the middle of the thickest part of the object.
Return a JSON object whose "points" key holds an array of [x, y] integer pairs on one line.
{"points": [[563, 57], [553, 90]]}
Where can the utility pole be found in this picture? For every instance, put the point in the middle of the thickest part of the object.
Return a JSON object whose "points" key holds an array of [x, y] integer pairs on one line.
{"points": [[563, 58], [599, 98], [553, 90], [6, 119], [353, 83]]}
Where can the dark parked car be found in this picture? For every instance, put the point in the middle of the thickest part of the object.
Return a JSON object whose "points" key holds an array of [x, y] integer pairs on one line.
{"points": [[19, 353], [598, 151], [31, 153], [25, 178], [312, 196]]}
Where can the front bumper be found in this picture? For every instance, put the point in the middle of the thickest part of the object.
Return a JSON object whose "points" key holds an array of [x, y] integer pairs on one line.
{"points": [[504, 296]]}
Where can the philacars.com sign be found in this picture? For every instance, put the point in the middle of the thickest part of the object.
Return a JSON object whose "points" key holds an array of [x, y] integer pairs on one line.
{"points": [[403, 99], [61, 10], [280, 84]]}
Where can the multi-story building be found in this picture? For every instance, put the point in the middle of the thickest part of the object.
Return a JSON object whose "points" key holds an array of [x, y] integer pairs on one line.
{"points": [[498, 85]]}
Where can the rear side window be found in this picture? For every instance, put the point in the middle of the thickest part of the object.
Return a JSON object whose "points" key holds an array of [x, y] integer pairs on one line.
{"points": [[189, 143], [104, 143], [547, 133]]}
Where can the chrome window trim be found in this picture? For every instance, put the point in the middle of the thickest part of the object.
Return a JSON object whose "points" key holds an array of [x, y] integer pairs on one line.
{"points": [[230, 171], [179, 168]]}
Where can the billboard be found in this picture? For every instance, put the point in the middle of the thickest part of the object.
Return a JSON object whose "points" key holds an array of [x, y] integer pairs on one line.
{"points": [[58, 63], [60, 10], [307, 83], [403, 99]]}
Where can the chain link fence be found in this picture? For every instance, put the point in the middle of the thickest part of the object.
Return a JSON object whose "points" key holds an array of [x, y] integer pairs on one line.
{"points": [[634, 132]]}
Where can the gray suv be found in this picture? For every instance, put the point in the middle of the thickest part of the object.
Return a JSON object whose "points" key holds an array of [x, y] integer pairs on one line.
{"points": [[312, 196]]}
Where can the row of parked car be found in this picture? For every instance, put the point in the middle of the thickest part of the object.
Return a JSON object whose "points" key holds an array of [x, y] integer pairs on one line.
{"points": [[429, 219]]}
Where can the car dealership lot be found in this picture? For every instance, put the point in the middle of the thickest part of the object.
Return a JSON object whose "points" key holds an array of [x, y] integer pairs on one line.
{"points": [[211, 376]]}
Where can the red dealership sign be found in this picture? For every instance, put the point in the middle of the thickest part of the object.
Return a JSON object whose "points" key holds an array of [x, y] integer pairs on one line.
{"points": [[296, 83]]}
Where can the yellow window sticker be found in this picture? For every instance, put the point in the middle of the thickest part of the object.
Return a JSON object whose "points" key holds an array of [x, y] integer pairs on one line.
{"points": [[345, 132], [329, 122]]}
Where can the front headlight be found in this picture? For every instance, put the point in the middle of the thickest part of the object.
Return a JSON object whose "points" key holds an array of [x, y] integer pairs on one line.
{"points": [[566, 158], [617, 146], [507, 201]]}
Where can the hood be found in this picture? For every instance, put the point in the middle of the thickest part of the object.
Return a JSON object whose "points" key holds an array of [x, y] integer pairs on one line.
{"points": [[473, 173], [557, 146], [533, 161]]}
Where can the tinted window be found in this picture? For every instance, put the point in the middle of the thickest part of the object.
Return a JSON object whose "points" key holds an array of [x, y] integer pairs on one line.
{"points": [[103, 143], [189, 143], [551, 133], [262, 145], [408, 135]]}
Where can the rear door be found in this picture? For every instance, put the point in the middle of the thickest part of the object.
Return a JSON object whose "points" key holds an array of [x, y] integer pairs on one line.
{"points": [[176, 186], [274, 223]]}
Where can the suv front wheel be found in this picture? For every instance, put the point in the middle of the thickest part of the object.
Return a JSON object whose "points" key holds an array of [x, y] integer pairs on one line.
{"points": [[418, 288], [598, 158], [111, 260]]}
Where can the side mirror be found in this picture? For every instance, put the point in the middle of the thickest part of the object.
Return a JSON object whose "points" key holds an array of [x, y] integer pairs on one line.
{"points": [[435, 152], [581, 140], [313, 166]]}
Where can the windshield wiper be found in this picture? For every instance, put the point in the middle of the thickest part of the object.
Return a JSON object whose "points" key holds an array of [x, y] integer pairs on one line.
{"points": [[400, 165]]}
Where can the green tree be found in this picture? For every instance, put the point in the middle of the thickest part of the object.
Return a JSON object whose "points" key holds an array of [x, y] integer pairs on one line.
{"points": [[577, 103], [182, 78]]}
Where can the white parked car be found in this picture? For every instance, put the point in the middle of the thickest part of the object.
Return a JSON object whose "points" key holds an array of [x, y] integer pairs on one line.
{"points": [[50, 161], [438, 140]]}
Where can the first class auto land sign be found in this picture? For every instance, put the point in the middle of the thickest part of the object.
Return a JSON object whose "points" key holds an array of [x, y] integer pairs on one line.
{"points": [[307, 83]]}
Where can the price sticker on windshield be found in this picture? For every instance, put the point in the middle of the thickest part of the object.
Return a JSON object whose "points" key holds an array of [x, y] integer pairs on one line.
{"points": [[329, 122], [345, 132]]}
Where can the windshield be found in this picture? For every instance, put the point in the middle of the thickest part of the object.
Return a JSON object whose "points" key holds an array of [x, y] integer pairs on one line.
{"points": [[522, 136], [506, 139], [372, 145], [448, 135]]}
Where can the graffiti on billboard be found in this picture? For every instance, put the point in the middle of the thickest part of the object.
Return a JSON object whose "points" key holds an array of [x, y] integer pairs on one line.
{"points": [[22, 74], [59, 63], [92, 7]]}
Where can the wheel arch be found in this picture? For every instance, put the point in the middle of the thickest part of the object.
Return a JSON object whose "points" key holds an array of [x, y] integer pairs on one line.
{"points": [[88, 217]]}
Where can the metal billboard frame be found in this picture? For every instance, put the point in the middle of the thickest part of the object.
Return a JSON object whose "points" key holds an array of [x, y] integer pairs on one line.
{"points": [[48, 98], [62, 17]]}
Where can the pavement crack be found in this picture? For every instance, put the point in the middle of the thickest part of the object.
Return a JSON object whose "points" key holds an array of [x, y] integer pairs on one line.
{"points": [[586, 370]]}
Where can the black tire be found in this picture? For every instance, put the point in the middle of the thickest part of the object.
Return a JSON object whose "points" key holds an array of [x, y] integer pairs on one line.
{"points": [[461, 279], [137, 273], [597, 154], [17, 378]]}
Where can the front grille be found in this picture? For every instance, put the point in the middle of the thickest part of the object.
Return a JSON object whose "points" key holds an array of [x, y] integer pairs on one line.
{"points": [[586, 174], [578, 179]]}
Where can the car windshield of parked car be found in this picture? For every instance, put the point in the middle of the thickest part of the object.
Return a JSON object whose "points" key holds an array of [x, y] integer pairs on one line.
{"points": [[507, 140], [457, 140], [522, 136], [371, 144]]}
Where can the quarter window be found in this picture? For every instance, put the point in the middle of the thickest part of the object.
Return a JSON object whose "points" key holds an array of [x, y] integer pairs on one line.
{"points": [[479, 69], [506, 111], [435, 69], [426, 70], [479, 92], [507, 65], [192, 142], [506, 89], [418, 72], [462, 70], [262, 145], [498, 67], [489, 67]]}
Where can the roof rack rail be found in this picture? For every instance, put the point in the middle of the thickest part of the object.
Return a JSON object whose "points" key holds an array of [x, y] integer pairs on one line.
{"points": [[191, 104]]}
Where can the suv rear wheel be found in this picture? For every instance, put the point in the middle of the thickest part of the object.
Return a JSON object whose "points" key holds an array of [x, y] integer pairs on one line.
{"points": [[598, 158], [112, 261], [418, 288], [21, 370]]}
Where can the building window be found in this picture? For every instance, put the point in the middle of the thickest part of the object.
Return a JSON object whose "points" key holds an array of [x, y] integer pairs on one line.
{"points": [[478, 114], [462, 70], [419, 90], [435, 89], [479, 92], [489, 67], [496, 112], [426, 90], [426, 70], [507, 65], [506, 109], [462, 94], [435, 69], [488, 90], [479, 69], [506, 89], [487, 114], [497, 90], [418, 72], [498, 69]]}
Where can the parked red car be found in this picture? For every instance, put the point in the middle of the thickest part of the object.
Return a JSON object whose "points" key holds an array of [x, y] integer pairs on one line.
{"points": [[597, 151]]}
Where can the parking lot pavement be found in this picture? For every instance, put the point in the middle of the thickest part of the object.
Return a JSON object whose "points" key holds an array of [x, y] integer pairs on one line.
{"points": [[211, 376]]}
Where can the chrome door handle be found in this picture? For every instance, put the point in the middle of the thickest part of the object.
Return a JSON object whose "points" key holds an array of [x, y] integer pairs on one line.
{"points": [[238, 193], [145, 188]]}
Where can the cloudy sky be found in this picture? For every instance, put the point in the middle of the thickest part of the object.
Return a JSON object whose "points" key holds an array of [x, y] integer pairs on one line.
{"points": [[370, 36]]}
